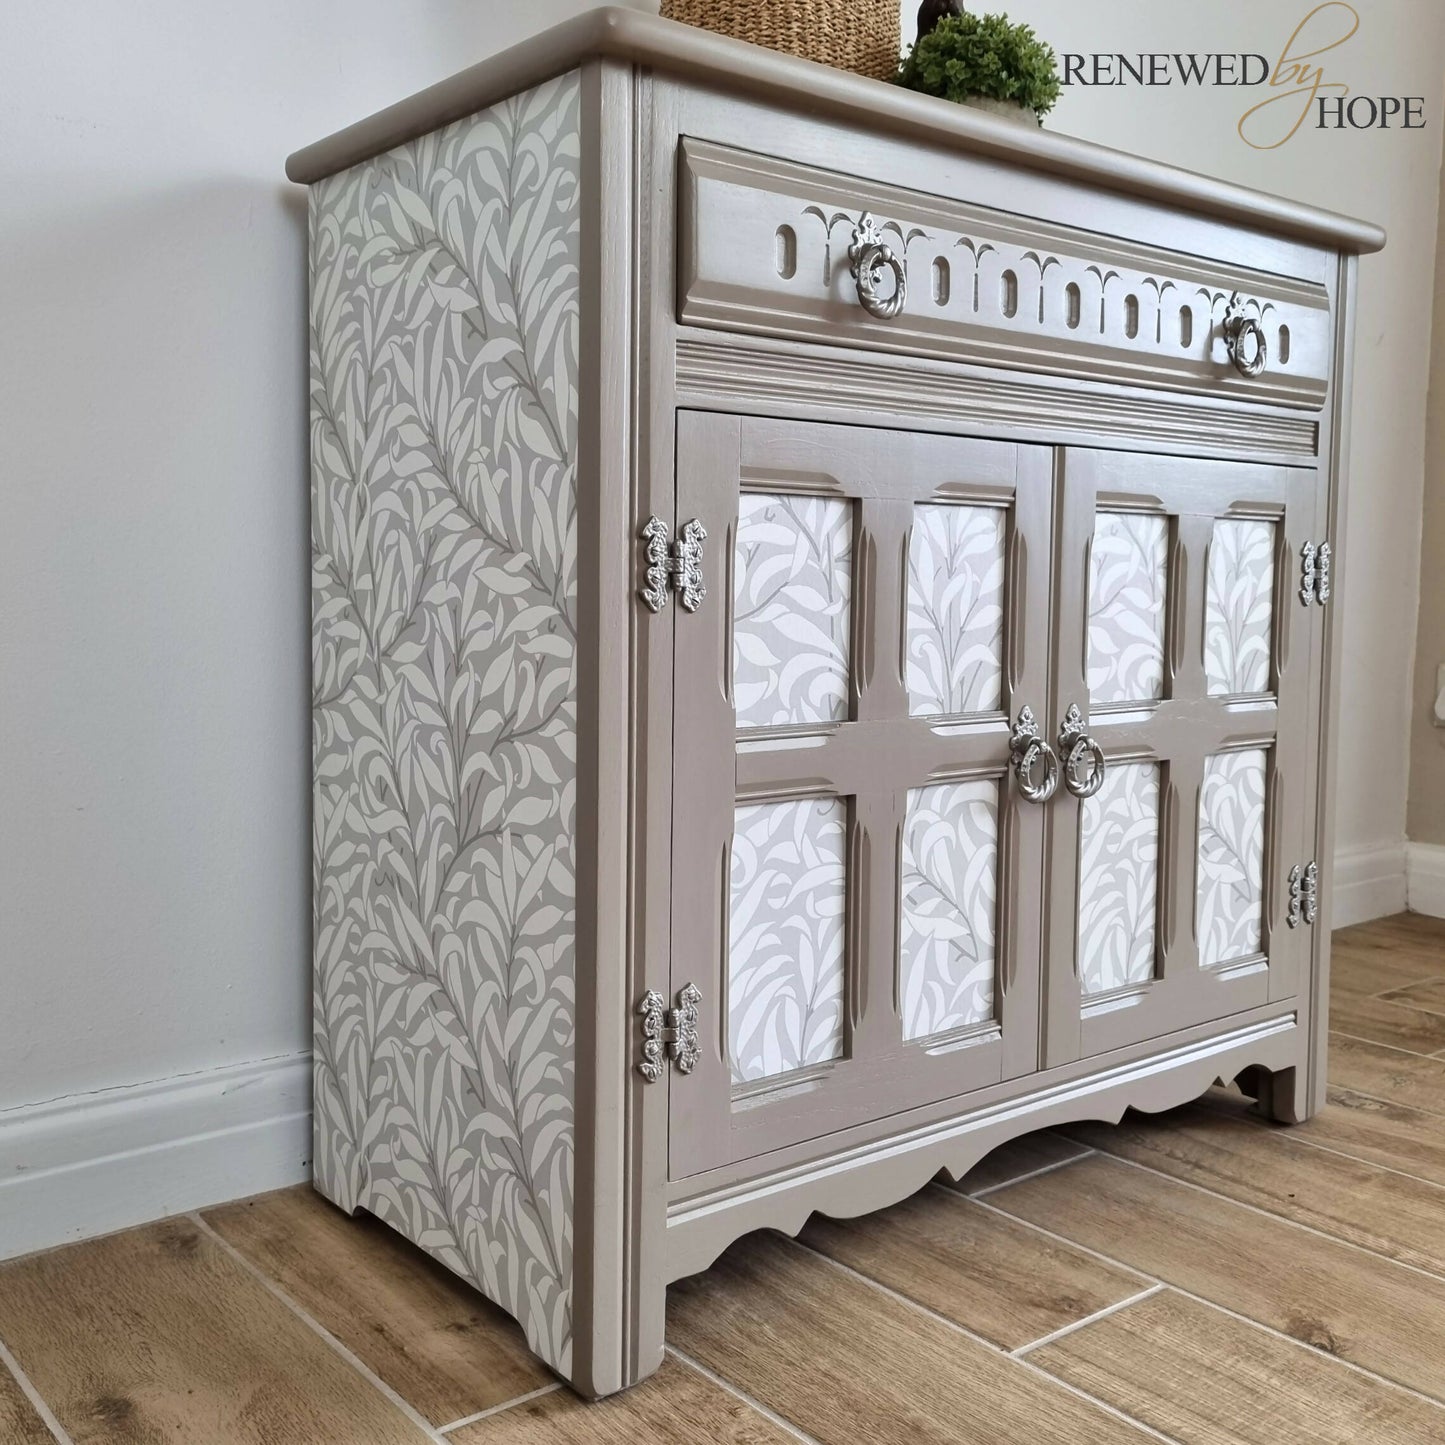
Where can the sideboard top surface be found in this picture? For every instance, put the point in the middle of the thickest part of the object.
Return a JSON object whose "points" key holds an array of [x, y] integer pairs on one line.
{"points": [[684, 50]]}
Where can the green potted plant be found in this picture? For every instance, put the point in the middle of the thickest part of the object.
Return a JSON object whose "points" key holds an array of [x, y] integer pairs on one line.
{"points": [[982, 61]]}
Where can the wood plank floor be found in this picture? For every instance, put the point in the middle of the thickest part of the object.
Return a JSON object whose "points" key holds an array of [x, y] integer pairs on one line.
{"points": [[1198, 1276]]}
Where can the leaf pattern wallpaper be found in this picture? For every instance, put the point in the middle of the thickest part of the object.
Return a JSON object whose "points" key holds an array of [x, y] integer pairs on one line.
{"points": [[1127, 584], [444, 344], [1229, 917], [947, 941], [785, 936], [955, 610], [1239, 606], [791, 617], [1119, 878]]}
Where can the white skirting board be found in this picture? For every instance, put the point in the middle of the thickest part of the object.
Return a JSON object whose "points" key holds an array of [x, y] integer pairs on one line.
{"points": [[1425, 878], [94, 1163], [1368, 883]]}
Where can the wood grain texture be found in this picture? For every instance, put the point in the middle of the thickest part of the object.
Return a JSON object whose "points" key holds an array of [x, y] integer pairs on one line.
{"points": [[997, 1278], [1365, 1068], [446, 1350], [1429, 995], [1368, 1310], [1391, 1020], [1378, 957], [1379, 1132], [19, 1424], [1025, 1155], [1234, 1155], [676, 1406], [846, 1363], [157, 1335], [1197, 1374]]}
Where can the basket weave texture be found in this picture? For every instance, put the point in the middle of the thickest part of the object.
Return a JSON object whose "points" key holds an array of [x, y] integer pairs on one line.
{"points": [[857, 35]]}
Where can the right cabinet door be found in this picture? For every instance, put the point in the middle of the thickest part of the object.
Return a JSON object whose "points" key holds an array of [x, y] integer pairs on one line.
{"points": [[1182, 700]]}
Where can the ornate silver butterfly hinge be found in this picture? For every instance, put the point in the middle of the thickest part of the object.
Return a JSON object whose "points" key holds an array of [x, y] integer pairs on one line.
{"points": [[1304, 895], [1315, 573], [668, 1033], [673, 566]]}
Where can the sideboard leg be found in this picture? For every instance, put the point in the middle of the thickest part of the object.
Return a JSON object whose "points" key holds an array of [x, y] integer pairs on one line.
{"points": [[1281, 1095]]}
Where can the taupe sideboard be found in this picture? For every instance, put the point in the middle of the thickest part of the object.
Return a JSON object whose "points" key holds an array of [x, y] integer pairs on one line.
{"points": [[825, 646]]}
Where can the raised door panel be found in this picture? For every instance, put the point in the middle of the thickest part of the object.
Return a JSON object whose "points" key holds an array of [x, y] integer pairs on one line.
{"points": [[857, 883], [1186, 650]]}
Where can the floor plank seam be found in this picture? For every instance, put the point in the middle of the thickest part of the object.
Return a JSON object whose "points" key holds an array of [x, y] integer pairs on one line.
{"points": [[968, 1334], [780, 1421], [501, 1408], [1102, 1314], [1032, 1174], [1379, 1043], [1223, 1309], [1376, 1044], [1400, 988], [1437, 1276], [1385, 1099], [1074, 1244], [315, 1325], [37, 1401], [1340, 1152]]}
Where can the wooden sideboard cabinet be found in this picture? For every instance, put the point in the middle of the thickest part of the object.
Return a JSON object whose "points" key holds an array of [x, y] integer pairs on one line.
{"points": [[825, 650]]}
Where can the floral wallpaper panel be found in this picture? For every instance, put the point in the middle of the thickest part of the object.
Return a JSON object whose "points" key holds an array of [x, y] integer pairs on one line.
{"points": [[1239, 607], [785, 936], [1127, 584], [791, 617], [1119, 878], [948, 938], [955, 609], [444, 359], [1229, 916]]}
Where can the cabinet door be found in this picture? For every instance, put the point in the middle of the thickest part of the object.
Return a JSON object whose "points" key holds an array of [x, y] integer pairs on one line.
{"points": [[857, 881], [1184, 644]]}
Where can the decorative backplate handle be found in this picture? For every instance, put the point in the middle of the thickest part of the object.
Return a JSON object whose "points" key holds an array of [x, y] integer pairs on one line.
{"points": [[1028, 751], [868, 257], [1244, 339], [1077, 748]]}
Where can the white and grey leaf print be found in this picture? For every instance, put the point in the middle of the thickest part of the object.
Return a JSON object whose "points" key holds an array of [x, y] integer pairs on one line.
{"points": [[1119, 878], [785, 936], [955, 610], [1127, 572], [1230, 908], [949, 907], [444, 342], [1239, 606], [791, 619]]}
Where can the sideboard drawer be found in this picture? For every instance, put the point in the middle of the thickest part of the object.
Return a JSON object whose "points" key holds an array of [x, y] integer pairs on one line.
{"points": [[764, 246]]}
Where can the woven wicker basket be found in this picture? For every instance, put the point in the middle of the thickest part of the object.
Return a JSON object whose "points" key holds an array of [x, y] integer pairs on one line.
{"points": [[858, 35]]}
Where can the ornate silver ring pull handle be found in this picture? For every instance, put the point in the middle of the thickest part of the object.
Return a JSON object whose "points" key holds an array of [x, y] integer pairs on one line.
{"points": [[1076, 748], [1244, 339], [1028, 750], [868, 258]]}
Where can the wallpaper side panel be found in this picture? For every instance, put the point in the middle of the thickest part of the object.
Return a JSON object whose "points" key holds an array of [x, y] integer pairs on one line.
{"points": [[444, 346]]}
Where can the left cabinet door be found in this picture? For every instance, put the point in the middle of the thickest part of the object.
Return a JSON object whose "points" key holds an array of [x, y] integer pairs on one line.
{"points": [[857, 874]]}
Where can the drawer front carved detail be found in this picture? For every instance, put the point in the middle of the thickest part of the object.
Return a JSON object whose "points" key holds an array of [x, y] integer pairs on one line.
{"points": [[981, 285]]}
